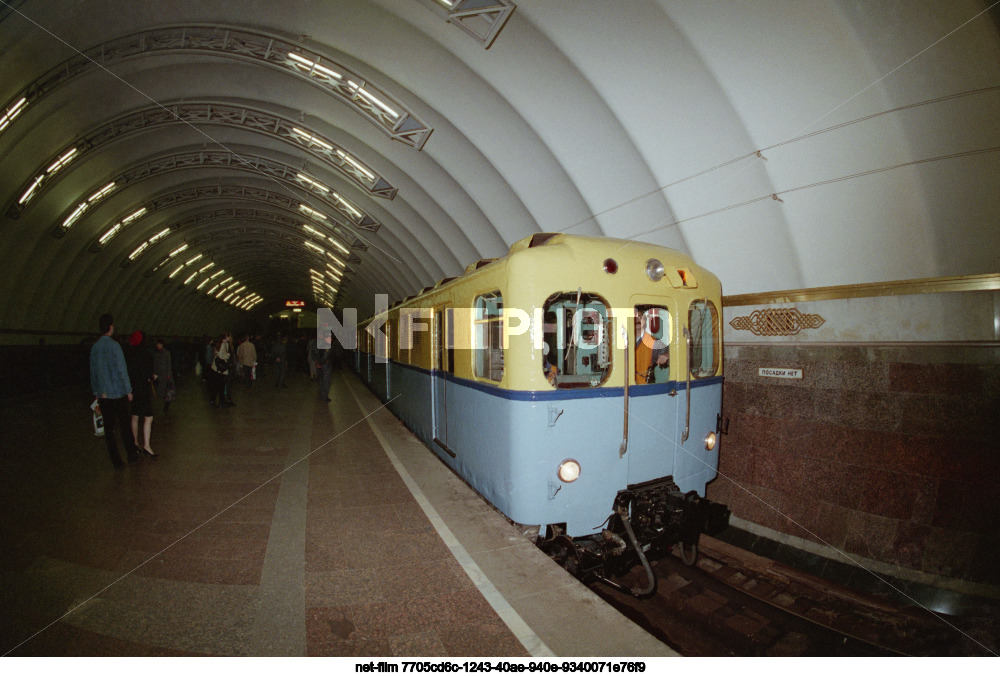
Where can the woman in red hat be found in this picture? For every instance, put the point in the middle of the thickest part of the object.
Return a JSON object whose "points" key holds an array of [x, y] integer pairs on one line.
{"points": [[140, 373]]}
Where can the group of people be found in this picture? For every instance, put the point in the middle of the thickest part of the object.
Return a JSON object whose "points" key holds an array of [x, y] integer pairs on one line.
{"points": [[125, 383], [223, 364]]}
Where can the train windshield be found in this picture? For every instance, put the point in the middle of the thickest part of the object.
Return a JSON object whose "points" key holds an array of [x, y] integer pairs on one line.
{"points": [[652, 344], [703, 319], [577, 340]]}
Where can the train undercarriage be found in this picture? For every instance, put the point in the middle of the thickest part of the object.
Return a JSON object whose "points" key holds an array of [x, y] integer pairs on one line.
{"points": [[647, 520]]}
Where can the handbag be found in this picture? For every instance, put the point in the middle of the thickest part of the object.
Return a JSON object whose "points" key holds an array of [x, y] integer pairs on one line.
{"points": [[221, 365], [98, 419], [171, 393]]}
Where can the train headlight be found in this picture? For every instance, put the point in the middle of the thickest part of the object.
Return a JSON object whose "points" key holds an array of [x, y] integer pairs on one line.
{"points": [[569, 471], [654, 269], [710, 441]]}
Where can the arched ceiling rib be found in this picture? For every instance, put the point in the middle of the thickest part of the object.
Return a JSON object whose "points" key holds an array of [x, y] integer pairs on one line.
{"points": [[199, 113], [627, 119]]}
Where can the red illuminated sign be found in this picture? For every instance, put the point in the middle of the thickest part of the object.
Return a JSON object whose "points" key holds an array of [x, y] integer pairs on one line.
{"points": [[295, 303]]}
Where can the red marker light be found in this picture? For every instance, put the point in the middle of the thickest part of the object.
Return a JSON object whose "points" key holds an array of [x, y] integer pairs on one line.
{"points": [[610, 266]]}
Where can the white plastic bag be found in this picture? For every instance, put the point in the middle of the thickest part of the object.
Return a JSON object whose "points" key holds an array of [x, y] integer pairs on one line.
{"points": [[98, 419]]}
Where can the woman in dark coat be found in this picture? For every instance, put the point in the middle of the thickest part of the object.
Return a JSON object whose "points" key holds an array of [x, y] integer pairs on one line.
{"points": [[139, 360], [163, 371]]}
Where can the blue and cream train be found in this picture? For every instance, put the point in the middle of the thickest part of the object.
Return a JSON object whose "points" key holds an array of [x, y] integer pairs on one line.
{"points": [[576, 383]]}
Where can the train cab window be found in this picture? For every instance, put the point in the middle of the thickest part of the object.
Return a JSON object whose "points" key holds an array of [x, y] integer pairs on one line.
{"points": [[652, 344], [703, 318], [488, 348], [577, 340]]}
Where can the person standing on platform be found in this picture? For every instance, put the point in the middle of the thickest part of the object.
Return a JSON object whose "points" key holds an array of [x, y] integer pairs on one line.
{"points": [[310, 349], [140, 372], [110, 383], [321, 355], [280, 355], [163, 370], [227, 388], [207, 356], [246, 355], [262, 345], [219, 371]]}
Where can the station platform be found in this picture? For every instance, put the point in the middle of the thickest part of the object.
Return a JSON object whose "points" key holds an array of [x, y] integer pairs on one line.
{"points": [[282, 526]]}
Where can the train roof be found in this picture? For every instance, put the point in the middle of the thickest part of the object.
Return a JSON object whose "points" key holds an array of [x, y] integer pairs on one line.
{"points": [[582, 244]]}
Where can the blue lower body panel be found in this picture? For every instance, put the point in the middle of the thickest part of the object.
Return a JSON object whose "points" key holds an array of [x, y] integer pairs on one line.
{"points": [[509, 445]]}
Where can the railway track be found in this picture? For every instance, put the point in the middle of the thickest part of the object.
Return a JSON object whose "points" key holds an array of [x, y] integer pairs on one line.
{"points": [[735, 603]]}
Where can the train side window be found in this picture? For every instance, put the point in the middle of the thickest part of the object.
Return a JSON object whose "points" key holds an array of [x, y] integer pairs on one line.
{"points": [[378, 339], [703, 318], [488, 347], [404, 337], [419, 326], [392, 329], [577, 340], [652, 344], [450, 339]]}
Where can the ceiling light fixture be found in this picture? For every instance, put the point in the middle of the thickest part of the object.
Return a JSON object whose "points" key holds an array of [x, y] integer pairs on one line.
{"points": [[312, 139], [354, 163], [311, 212], [12, 112], [61, 162], [314, 183]]}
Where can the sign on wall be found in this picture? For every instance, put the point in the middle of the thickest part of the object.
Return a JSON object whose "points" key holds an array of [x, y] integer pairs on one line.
{"points": [[795, 374]]}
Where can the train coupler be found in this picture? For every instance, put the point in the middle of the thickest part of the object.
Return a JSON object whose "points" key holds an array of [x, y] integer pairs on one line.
{"points": [[662, 516]]}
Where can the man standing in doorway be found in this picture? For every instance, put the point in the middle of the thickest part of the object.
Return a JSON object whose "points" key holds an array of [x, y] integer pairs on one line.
{"points": [[110, 384], [321, 355]]}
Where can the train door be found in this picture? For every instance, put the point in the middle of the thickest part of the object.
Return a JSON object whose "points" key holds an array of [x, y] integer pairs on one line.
{"points": [[443, 347], [386, 339], [653, 390], [370, 354], [697, 457]]}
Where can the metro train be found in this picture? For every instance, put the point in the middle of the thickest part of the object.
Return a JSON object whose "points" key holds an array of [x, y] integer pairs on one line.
{"points": [[576, 384]]}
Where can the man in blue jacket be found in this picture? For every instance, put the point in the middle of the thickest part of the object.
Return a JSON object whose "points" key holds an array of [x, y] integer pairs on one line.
{"points": [[110, 384]]}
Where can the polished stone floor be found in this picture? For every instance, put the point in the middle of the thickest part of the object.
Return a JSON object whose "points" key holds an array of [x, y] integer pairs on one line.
{"points": [[281, 526], [265, 528]]}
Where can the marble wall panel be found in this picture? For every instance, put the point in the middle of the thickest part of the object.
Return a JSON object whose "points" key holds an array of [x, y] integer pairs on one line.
{"points": [[890, 453]]}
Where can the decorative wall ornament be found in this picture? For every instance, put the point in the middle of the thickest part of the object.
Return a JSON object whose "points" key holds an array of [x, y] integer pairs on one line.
{"points": [[777, 322]]}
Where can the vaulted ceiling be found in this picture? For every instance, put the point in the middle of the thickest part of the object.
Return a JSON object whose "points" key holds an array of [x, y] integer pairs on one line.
{"points": [[190, 165]]}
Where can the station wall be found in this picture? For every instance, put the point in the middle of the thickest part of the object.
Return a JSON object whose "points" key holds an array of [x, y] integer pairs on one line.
{"points": [[862, 425]]}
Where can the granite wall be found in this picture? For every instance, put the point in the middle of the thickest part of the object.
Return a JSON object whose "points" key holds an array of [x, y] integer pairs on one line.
{"points": [[888, 450]]}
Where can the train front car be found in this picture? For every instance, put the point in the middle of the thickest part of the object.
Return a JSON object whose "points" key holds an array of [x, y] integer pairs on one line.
{"points": [[618, 382]]}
